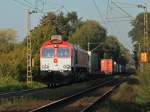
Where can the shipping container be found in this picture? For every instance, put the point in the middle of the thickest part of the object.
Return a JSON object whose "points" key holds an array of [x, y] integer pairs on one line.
{"points": [[107, 66]]}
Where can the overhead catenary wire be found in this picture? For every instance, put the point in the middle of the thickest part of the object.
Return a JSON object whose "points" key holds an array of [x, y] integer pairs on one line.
{"points": [[101, 17], [98, 10], [29, 3], [124, 11], [107, 7], [125, 3], [115, 9], [118, 20], [56, 4], [23, 4], [117, 17]]}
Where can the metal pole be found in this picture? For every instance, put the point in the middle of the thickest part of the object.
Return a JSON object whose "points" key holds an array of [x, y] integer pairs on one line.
{"points": [[145, 41], [88, 46], [29, 52], [145, 31]]}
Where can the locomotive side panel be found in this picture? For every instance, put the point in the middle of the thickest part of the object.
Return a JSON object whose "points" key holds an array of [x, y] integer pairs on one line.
{"points": [[93, 63], [82, 58]]}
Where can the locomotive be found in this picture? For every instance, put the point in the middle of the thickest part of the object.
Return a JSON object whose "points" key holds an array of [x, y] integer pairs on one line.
{"points": [[62, 62]]}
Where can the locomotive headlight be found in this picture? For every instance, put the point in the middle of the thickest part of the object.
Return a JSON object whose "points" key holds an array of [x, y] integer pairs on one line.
{"points": [[45, 66], [67, 66]]}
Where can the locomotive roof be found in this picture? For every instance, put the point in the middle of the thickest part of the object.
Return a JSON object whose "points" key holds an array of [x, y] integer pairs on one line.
{"points": [[49, 42]]}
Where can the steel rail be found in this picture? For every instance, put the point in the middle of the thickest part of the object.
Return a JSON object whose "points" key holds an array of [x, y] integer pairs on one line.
{"points": [[23, 92], [57, 103], [90, 107], [18, 93]]}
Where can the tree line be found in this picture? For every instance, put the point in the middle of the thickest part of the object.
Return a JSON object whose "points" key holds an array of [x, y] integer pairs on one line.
{"points": [[72, 28]]}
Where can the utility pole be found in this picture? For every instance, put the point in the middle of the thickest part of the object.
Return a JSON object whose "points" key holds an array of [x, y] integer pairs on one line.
{"points": [[28, 28], [29, 50], [145, 30], [29, 47]]}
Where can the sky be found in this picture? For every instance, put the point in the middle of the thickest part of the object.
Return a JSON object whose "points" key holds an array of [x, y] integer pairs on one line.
{"points": [[13, 14]]}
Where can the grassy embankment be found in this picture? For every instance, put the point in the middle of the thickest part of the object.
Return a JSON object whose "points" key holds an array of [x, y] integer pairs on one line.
{"points": [[32, 100], [132, 96], [10, 84]]}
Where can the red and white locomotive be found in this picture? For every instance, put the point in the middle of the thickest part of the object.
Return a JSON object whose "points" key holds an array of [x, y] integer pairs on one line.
{"points": [[59, 60]]}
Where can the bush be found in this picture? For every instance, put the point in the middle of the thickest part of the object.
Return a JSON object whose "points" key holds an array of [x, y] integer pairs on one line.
{"points": [[8, 83], [143, 90]]}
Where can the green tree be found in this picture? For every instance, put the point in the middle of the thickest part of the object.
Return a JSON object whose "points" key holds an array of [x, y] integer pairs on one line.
{"points": [[51, 24], [90, 31], [112, 47], [115, 50], [7, 39], [137, 32], [7, 35], [14, 63]]}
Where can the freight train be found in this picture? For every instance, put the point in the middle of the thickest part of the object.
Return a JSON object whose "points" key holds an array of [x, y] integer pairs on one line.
{"points": [[62, 62]]}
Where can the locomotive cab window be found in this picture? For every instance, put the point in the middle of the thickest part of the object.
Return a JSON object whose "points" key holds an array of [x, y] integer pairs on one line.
{"points": [[48, 52], [63, 52]]}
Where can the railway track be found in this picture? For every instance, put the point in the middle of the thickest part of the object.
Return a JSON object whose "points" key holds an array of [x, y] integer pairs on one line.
{"points": [[19, 93], [82, 101], [24, 92]]}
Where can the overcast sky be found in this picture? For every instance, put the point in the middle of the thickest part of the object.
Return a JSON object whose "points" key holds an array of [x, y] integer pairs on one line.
{"points": [[13, 14]]}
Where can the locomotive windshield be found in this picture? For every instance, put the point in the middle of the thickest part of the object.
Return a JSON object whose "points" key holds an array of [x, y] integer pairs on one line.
{"points": [[48, 52], [63, 52]]}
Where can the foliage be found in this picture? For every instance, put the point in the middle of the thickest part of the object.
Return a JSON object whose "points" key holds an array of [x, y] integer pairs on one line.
{"points": [[137, 35], [12, 56], [112, 48], [7, 35], [137, 32], [7, 38], [8, 83], [14, 63], [143, 90], [115, 50], [123, 98], [90, 31]]}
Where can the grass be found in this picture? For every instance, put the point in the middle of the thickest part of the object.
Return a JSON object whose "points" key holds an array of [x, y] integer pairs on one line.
{"points": [[8, 84], [143, 89], [131, 96], [123, 98], [32, 100]]}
